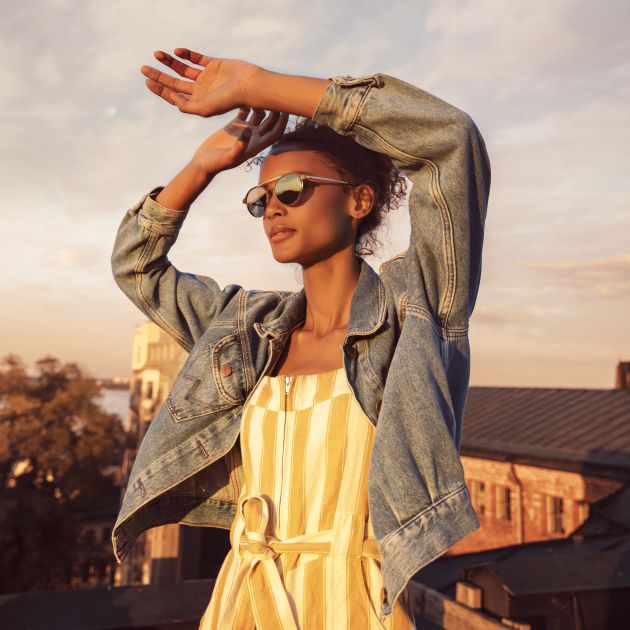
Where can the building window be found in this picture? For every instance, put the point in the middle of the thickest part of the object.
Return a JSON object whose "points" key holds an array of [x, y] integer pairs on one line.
{"points": [[478, 491], [504, 503], [555, 515]]}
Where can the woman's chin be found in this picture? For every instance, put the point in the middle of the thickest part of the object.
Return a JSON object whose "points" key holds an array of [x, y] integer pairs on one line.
{"points": [[283, 255], [284, 258]]}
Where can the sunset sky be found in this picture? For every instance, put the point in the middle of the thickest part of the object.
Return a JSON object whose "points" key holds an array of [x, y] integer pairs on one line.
{"points": [[548, 85]]}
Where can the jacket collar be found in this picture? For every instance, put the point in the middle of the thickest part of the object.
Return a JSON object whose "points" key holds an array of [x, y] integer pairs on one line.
{"points": [[367, 309]]}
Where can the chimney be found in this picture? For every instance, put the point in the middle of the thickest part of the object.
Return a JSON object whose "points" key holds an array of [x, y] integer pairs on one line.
{"points": [[623, 375]]}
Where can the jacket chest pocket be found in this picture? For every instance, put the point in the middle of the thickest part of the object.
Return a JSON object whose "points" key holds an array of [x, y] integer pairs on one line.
{"points": [[210, 381]]}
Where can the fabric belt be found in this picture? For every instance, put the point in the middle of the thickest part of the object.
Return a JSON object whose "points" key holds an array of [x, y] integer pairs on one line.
{"points": [[258, 552]]}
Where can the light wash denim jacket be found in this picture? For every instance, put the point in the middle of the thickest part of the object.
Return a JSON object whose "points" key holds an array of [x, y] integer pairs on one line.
{"points": [[406, 351]]}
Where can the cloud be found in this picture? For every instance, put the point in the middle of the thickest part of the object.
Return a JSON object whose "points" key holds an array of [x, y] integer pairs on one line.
{"points": [[500, 316], [76, 257], [29, 295], [605, 278]]}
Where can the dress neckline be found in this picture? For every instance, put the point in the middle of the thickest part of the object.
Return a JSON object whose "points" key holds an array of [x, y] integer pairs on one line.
{"points": [[294, 376]]}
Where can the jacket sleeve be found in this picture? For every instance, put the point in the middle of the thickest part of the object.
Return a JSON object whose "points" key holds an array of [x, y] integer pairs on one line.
{"points": [[439, 149], [182, 304]]}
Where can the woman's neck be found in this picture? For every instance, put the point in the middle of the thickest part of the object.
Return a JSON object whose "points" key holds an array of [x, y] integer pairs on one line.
{"points": [[329, 286]]}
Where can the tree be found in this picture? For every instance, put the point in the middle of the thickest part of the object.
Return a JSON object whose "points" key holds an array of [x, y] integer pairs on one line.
{"points": [[56, 443]]}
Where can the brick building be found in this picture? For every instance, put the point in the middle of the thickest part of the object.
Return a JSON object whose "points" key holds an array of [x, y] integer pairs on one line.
{"points": [[536, 459]]}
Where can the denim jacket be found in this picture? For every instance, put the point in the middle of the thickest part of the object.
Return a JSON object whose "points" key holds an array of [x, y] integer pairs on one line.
{"points": [[406, 352]]}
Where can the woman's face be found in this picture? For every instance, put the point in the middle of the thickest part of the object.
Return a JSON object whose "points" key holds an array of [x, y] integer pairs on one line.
{"points": [[322, 224]]}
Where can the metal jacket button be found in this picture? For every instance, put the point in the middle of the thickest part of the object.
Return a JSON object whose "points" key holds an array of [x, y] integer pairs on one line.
{"points": [[226, 370]]}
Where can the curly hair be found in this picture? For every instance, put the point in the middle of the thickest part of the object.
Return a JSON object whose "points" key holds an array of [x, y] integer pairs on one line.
{"points": [[356, 163]]}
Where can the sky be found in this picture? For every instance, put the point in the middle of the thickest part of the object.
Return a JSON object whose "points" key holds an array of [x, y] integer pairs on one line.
{"points": [[82, 140]]}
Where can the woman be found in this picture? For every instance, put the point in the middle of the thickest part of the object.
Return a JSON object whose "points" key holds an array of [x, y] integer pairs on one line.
{"points": [[348, 395]]}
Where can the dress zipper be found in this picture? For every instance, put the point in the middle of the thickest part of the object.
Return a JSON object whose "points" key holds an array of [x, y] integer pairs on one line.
{"points": [[287, 387]]}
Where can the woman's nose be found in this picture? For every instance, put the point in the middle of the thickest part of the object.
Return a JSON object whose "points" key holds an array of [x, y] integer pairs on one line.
{"points": [[274, 207]]}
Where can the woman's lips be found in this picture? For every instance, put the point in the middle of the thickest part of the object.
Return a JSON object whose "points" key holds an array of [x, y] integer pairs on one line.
{"points": [[281, 236]]}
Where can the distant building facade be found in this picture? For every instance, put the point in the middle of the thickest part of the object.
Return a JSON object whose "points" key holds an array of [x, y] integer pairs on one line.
{"points": [[519, 503], [536, 459]]}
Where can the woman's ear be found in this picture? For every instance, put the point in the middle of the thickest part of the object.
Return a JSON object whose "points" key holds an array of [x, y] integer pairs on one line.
{"points": [[364, 197]]}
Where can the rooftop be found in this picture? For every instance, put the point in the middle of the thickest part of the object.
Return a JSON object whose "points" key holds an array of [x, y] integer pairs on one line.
{"points": [[583, 430]]}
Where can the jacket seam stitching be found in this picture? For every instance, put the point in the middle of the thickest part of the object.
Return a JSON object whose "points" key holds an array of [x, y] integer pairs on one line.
{"points": [[381, 312], [152, 225], [242, 333], [402, 308], [399, 256], [375, 379], [181, 418], [358, 108], [445, 215], [421, 514], [425, 314], [154, 315]]}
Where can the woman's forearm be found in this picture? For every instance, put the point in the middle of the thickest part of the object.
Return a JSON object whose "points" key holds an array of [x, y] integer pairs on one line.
{"points": [[185, 187], [285, 92]]}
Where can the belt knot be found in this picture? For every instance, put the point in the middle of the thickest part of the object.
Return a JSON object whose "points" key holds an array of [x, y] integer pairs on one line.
{"points": [[253, 543], [253, 546]]}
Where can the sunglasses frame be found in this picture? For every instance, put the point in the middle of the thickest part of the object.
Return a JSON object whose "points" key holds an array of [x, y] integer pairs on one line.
{"points": [[302, 177]]}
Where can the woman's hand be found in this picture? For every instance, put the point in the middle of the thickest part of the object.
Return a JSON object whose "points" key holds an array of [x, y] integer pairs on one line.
{"points": [[239, 140], [220, 87], [226, 84]]}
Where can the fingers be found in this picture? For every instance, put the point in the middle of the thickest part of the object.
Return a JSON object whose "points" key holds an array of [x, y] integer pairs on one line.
{"points": [[268, 123], [257, 117], [245, 135], [160, 90], [276, 128], [195, 57], [243, 112], [268, 132], [179, 100], [173, 84], [177, 66]]}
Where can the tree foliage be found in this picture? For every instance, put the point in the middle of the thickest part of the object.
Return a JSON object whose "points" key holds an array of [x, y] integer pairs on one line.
{"points": [[56, 444]]}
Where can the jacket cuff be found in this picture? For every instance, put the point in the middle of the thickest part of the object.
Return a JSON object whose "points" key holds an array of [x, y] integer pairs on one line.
{"points": [[342, 100], [158, 218]]}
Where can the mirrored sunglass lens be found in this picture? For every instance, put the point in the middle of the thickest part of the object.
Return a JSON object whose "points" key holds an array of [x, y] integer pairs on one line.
{"points": [[257, 201], [288, 188]]}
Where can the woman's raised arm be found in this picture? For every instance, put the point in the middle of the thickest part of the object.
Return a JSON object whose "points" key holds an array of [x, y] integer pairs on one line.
{"points": [[184, 304]]}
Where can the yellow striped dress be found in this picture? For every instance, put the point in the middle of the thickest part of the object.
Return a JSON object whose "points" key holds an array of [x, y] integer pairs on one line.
{"points": [[303, 550]]}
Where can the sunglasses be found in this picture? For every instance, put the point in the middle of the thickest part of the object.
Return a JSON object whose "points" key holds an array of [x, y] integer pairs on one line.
{"points": [[288, 191]]}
